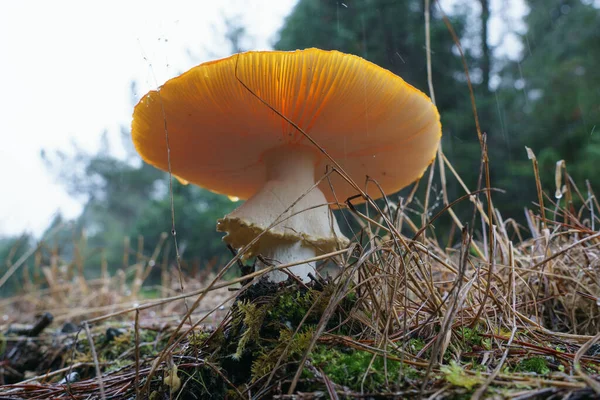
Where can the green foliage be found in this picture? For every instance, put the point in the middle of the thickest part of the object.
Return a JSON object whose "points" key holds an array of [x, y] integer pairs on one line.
{"points": [[11, 249], [470, 336], [289, 347], [294, 306], [128, 198], [349, 367], [539, 365], [196, 213], [197, 339], [457, 376], [270, 322], [2, 344], [550, 99], [252, 317], [486, 343], [121, 345], [416, 345], [257, 325]]}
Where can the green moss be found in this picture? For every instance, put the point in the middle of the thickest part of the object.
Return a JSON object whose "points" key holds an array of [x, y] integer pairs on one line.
{"points": [[155, 395], [289, 347], [487, 343], [470, 336], [473, 251], [197, 339], [348, 368], [149, 293], [416, 345], [539, 365], [251, 316], [412, 374], [457, 376], [475, 365], [200, 382], [292, 306], [110, 350], [117, 364], [2, 344], [261, 330], [561, 348], [123, 345]]}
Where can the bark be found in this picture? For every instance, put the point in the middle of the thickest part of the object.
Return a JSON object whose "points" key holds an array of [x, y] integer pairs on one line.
{"points": [[485, 48]]}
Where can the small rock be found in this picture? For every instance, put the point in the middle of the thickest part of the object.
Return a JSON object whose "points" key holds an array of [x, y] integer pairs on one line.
{"points": [[69, 378], [112, 333]]}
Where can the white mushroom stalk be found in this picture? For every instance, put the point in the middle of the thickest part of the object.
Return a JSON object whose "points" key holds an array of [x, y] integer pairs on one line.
{"points": [[303, 225]]}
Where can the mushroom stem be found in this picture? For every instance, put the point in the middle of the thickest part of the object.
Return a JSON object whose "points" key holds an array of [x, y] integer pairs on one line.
{"points": [[294, 166], [287, 253], [306, 229], [290, 173]]}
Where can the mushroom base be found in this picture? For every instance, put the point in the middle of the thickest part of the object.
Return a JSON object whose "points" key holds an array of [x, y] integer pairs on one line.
{"points": [[287, 253]]}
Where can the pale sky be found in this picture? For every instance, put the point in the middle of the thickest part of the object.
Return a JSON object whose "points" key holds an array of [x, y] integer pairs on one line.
{"points": [[66, 69], [65, 74]]}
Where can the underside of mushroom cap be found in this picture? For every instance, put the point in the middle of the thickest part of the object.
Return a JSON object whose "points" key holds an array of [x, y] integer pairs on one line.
{"points": [[289, 208], [313, 226], [368, 119]]}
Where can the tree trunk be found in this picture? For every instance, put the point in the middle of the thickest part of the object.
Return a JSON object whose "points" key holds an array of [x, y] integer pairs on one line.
{"points": [[485, 48]]}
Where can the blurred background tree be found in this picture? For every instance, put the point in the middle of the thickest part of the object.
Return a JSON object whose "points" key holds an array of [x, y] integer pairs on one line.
{"points": [[124, 197], [552, 98]]}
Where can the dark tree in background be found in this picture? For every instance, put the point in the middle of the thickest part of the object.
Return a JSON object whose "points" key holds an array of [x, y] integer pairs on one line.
{"points": [[552, 95], [126, 198]]}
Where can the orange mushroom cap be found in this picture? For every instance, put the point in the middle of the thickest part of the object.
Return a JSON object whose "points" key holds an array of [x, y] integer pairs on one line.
{"points": [[369, 120]]}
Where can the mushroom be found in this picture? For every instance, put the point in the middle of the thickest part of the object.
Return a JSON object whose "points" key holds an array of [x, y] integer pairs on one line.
{"points": [[221, 136]]}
